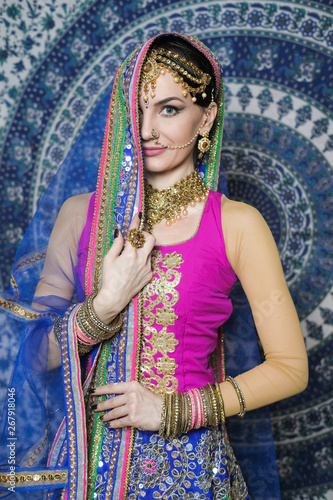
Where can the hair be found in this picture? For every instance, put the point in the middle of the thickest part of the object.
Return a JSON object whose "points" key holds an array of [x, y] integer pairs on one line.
{"points": [[184, 49]]}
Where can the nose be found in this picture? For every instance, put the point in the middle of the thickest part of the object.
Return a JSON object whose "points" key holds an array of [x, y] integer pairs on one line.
{"points": [[146, 125]]}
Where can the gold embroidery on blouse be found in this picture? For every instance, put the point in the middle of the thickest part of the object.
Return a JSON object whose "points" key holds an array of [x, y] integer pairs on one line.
{"points": [[160, 296]]}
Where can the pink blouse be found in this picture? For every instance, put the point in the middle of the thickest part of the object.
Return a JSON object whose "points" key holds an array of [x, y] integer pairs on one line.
{"points": [[185, 303]]}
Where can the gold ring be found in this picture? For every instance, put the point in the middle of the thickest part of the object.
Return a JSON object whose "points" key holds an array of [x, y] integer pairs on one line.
{"points": [[136, 238]]}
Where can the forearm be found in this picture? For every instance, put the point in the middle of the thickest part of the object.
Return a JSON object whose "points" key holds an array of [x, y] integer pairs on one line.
{"points": [[54, 354], [275, 379]]}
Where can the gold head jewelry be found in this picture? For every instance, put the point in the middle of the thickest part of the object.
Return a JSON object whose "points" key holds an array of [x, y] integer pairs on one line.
{"points": [[161, 61], [171, 203]]}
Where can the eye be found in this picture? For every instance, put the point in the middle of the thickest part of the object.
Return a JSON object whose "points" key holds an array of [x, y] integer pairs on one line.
{"points": [[169, 110]]}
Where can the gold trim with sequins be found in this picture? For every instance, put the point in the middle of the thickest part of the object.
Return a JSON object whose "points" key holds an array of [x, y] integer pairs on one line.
{"points": [[35, 478]]}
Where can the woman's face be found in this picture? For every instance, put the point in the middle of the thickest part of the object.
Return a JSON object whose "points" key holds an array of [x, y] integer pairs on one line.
{"points": [[176, 120]]}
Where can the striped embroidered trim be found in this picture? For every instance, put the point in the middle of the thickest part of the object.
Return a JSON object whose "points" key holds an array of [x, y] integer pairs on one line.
{"points": [[117, 432], [69, 405], [98, 426]]}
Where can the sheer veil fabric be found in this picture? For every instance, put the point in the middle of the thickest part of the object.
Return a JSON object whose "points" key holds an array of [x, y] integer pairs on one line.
{"points": [[47, 454]]}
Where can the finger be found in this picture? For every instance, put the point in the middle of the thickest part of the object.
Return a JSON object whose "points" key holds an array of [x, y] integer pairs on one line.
{"points": [[115, 414], [111, 403], [150, 241], [116, 247], [114, 388], [117, 424], [135, 222]]}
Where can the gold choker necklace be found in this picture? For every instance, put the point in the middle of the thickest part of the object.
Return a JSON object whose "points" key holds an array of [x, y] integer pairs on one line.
{"points": [[171, 203]]}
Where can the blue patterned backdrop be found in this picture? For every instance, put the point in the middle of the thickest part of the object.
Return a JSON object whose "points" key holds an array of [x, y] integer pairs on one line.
{"points": [[57, 58]]}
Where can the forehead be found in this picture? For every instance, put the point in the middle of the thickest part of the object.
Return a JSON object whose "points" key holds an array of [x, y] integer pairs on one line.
{"points": [[165, 87]]}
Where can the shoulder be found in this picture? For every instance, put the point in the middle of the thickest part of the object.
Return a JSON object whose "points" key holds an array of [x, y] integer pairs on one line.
{"points": [[246, 234], [75, 207], [73, 212], [240, 216], [76, 204]]}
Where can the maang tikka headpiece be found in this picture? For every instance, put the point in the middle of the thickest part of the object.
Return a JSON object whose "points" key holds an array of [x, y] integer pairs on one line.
{"points": [[161, 61]]}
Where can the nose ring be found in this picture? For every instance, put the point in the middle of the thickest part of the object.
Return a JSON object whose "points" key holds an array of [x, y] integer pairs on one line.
{"points": [[154, 134]]}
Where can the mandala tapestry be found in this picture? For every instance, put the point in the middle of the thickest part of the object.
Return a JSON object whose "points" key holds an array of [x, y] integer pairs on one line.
{"points": [[57, 59]]}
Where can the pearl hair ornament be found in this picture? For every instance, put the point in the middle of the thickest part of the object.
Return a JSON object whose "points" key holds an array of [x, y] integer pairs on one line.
{"points": [[161, 61]]}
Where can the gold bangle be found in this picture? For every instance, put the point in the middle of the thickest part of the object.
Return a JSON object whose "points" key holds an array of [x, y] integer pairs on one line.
{"points": [[163, 417], [175, 427], [84, 348], [57, 330], [168, 402], [220, 402], [91, 326], [240, 396], [213, 404], [91, 332], [95, 321], [206, 407]]}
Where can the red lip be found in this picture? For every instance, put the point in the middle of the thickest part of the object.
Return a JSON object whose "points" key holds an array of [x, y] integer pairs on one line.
{"points": [[153, 151]]}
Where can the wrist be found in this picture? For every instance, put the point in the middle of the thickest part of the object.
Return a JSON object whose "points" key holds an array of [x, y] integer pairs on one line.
{"points": [[90, 329], [104, 307]]}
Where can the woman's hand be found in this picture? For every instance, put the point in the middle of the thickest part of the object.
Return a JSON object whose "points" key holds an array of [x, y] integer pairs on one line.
{"points": [[135, 406], [126, 270]]}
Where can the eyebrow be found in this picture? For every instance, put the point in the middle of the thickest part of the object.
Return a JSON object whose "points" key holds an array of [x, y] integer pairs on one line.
{"points": [[168, 99]]}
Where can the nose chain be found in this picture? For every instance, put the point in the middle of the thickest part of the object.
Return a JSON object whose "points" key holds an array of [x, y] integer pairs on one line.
{"points": [[156, 141]]}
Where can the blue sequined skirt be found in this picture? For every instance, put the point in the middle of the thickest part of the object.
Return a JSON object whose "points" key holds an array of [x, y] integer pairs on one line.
{"points": [[199, 465]]}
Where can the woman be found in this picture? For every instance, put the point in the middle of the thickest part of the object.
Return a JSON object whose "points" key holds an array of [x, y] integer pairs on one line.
{"points": [[145, 415]]}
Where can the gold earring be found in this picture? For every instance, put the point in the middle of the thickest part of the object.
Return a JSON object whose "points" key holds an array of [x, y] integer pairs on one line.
{"points": [[204, 144]]}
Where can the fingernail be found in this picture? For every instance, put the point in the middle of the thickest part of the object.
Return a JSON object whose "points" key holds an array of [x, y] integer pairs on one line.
{"points": [[140, 215], [101, 417], [92, 391], [116, 233], [94, 406]]}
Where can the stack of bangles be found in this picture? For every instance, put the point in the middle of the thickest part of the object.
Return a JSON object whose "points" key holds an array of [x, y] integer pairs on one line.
{"points": [[195, 408], [88, 328]]}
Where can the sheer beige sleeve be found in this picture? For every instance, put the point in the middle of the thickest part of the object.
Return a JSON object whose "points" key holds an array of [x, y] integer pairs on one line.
{"points": [[253, 255], [57, 278]]}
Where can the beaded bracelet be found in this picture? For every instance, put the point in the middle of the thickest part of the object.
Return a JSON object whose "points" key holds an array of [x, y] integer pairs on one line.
{"points": [[240, 396], [183, 411]]}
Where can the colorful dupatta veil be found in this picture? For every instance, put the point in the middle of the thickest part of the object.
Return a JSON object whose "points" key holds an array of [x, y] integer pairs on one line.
{"points": [[47, 455]]}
